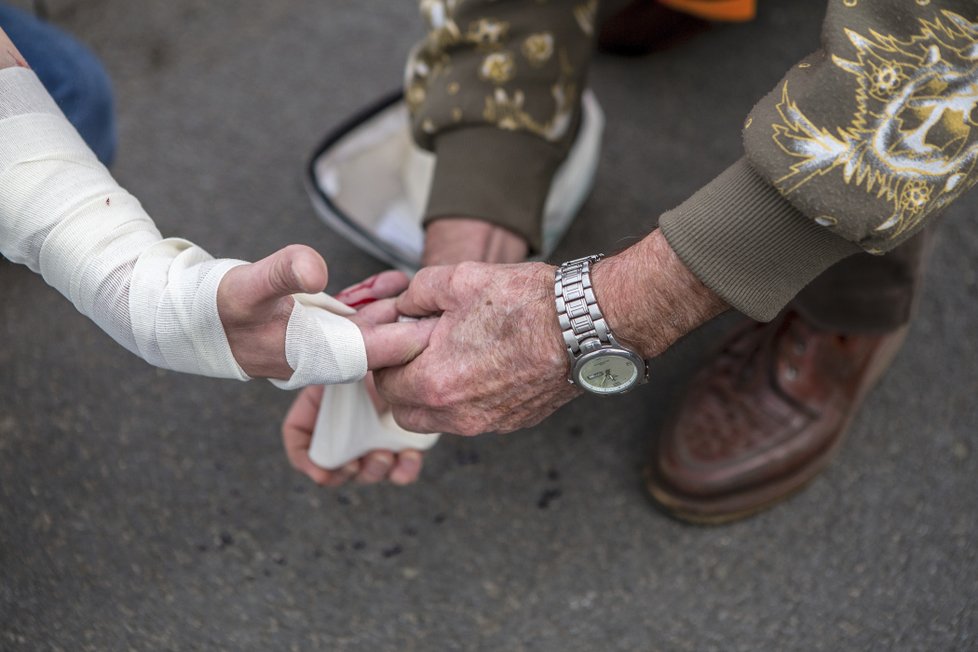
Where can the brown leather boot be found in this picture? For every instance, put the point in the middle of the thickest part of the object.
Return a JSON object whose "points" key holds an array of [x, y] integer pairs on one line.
{"points": [[763, 418]]}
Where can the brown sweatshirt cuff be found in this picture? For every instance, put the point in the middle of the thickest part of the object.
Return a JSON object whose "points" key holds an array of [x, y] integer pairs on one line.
{"points": [[748, 244], [495, 175]]}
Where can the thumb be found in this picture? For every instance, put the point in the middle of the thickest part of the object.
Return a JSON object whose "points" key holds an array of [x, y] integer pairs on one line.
{"points": [[295, 268], [255, 306], [429, 292], [393, 345]]}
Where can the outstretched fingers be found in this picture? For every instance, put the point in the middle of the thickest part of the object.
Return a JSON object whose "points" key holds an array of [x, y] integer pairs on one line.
{"points": [[399, 468], [297, 436], [407, 468]]}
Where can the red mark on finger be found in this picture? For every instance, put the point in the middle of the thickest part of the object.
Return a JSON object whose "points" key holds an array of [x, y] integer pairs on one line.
{"points": [[360, 303], [348, 296], [368, 284], [18, 60]]}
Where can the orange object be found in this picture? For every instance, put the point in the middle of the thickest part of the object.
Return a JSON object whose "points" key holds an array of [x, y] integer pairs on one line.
{"points": [[725, 10]]}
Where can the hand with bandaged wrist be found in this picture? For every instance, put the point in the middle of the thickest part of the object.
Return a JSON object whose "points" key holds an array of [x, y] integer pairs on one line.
{"points": [[167, 300]]}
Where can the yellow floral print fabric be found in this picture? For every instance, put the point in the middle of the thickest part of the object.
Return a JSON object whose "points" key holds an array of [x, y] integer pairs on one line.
{"points": [[514, 65]]}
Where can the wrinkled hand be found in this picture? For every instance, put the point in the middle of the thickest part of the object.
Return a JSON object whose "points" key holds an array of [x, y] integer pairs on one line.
{"points": [[495, 360], [383, 347]]}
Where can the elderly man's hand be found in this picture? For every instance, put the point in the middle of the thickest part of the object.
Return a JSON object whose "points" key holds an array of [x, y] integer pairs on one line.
{"points": [[495, 360]]}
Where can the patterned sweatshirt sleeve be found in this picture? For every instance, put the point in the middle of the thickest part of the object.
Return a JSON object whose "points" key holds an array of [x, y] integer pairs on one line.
{"points": [[494, 91], [859, 146]]}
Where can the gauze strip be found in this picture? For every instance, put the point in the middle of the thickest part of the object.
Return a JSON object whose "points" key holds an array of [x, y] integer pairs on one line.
{"points": [[347, 425], [64, 216], [322, 348]]}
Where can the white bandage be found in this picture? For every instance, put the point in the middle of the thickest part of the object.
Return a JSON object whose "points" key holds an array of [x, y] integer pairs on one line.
{"points": [[64, 216], [348, 425], [322, 346]]}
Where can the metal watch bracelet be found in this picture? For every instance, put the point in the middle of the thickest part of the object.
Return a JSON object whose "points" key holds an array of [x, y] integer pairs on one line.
{"points": [[598, 362], [581, 322], [607, 366]]}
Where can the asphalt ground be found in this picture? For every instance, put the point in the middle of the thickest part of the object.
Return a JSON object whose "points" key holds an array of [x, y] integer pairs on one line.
{"points": [[147, 510]]}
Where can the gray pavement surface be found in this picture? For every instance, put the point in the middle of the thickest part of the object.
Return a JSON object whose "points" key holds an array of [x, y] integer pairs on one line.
{"points": [[146, 510]]}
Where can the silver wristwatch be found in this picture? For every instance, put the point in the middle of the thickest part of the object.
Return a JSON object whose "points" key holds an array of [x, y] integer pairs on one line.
{"points": [[599, 363]]}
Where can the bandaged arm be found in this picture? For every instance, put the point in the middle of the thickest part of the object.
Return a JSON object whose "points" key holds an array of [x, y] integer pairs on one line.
{"points": [[65, 217]]}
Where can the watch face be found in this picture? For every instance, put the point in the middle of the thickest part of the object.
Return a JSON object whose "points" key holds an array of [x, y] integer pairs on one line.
{"points": [[608, 373]]}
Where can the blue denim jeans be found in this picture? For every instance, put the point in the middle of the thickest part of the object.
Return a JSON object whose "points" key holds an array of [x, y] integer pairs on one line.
{"points": [[72, 75]]}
